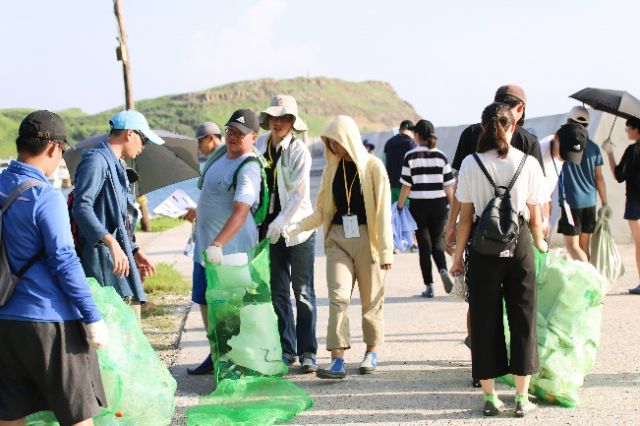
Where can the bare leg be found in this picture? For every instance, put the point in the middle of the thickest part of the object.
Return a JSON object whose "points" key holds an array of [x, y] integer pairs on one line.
{"points": [[488, 386], [19, 422], [634, 225], [337, 353], [205, 316], [571, 242], [522, 384], [371, 348], [585, 244]]}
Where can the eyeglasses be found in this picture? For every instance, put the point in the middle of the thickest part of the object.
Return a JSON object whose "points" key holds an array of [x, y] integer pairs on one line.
{"points": [[143, 138], [233, 132], [64, 145]]}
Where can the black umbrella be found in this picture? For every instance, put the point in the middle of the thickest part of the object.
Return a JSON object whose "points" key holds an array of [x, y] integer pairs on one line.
{"points": [[616, 102], [157, 166]]}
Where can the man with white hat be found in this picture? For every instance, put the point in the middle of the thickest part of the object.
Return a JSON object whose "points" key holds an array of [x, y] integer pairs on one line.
{"points": [[291, 257]]}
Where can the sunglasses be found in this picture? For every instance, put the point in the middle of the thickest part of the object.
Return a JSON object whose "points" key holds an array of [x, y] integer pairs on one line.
{"points": [[143, 138]]}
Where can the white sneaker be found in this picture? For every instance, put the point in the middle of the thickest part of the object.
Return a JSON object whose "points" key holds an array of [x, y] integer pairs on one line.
{"points": [[369, 363]]}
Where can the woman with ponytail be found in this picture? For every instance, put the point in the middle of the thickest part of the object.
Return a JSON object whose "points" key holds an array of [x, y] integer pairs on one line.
{"points": [[494, 278]]}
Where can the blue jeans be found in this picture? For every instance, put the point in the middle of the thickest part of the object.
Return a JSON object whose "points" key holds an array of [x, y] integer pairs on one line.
{"points": [[292, 267]]}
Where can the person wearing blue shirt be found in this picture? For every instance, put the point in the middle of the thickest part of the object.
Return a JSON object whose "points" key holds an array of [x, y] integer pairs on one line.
{"points": [[50, 326], [580, 183], [106, 244]]}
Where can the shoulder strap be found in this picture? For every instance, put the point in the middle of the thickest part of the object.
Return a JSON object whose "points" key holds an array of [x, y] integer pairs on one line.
{"points": [[13, 195], [486, 173], [19, 190], [515, 176], [215, 155]]}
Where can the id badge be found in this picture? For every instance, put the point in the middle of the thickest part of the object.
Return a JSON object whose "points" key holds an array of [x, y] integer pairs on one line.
{"points": [[350, 225], [567, 212], [272, 203]]}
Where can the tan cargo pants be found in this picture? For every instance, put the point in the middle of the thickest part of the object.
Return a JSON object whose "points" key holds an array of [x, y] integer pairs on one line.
{"points": [[349, 260]]}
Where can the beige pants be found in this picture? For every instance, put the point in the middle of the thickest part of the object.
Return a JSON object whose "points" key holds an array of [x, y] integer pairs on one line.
{"points": [[349, 260]]}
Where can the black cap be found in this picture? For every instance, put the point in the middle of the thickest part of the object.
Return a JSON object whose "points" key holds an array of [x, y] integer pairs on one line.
{"points": [[245, 120], [44, 125], [424, 128], [573, 139], [406, 124]]}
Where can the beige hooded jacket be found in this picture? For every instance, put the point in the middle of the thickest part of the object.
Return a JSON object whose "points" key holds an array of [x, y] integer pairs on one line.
{"points": [[374, 183]]}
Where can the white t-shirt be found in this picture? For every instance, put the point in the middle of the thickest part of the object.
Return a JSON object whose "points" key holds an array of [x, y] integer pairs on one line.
{"points": [[551, 179], [473, 186]]}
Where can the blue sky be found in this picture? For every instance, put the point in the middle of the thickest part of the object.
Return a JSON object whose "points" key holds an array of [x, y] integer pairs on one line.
{"points": [[445, 58]]}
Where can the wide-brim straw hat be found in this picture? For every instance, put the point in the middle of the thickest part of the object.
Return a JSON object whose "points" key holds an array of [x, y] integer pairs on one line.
{"points": [[283, 105]]}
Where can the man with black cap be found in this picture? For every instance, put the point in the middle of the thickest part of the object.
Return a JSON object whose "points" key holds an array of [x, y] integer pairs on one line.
{"points": [[394, 152], [579, 182], [225, 224], [50, 324]]}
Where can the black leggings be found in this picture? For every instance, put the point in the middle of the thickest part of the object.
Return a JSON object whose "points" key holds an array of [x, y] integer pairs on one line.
{"points": [[492, 279], [431, 217]]}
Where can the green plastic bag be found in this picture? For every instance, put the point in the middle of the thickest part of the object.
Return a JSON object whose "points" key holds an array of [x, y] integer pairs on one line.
{"points": [[243, 328], [250, 401], [140, 390], [604, 253], [569, 317]]}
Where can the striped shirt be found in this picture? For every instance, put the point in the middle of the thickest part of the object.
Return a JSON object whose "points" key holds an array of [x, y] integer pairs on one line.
{"points": [[427, 172]]}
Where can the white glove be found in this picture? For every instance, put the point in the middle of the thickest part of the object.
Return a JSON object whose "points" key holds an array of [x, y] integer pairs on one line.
{"points": [[291, 231], [275, 229], [607, 146], [214, 254], [97, 334]]}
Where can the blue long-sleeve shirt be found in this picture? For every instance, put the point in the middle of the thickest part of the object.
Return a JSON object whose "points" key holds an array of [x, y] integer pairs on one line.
{"points": [[55, 288]]}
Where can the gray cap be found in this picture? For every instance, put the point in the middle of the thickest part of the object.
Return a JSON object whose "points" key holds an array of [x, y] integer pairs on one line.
{"points": [[207, 128]]}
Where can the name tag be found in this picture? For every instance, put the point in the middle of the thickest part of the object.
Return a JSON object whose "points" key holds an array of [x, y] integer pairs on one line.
{"points": [[567, 212], [350, 225]]}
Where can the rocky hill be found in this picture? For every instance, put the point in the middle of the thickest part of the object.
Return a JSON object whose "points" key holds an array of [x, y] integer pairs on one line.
{"points": [[373, 104]]}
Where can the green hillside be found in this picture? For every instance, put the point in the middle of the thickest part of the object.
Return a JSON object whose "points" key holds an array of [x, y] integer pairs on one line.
{"points": [[373, 104]]}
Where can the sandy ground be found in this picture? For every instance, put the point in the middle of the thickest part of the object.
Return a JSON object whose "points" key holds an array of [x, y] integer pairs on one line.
{"points": [[424, 368]]}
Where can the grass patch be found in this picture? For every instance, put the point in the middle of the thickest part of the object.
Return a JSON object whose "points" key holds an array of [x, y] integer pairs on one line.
{"points": [[163, 315], [161, 223], [167, 281]]}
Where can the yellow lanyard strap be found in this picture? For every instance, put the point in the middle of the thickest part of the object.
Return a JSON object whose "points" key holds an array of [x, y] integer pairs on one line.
{"points": [[273, 165], [350, 189]]}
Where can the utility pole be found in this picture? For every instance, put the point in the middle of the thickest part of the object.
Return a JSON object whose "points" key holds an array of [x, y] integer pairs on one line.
{"points": [[122, 53]]}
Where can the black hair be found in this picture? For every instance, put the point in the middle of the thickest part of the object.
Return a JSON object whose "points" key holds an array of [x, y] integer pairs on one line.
{"points": [[116, 132], [496, 120], [634, 123], [513, 102], [30, 145], [430, 139]]}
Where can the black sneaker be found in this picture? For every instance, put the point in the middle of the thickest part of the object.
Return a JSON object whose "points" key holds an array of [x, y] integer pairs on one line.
{"points": [[428, 293], [523, 405], [205, 367], [492, 405]]}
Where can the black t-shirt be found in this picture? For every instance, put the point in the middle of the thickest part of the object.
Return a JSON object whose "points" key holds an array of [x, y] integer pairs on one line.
{"points": [[272, 154], [340, 194], [628, 171], [394, 150], [521, 139]]}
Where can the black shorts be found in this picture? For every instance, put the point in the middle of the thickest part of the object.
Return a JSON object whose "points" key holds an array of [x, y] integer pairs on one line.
{"points": [[584, 221], [48, 366]]}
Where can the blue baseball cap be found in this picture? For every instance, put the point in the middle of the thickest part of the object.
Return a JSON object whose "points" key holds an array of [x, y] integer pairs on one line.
{"points": [[133, 120]]}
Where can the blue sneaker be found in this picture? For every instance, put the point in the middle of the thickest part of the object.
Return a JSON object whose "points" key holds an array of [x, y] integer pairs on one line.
{"points": [[308, 363], [205, 367], [335, 370], [369, 363]]}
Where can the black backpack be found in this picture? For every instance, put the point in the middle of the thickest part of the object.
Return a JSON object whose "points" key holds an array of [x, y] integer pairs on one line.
{"points": [[9, 280], [497, 230]]}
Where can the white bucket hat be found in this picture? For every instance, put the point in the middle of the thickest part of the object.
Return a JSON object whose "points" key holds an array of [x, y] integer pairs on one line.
{"points": [[283, 105]]}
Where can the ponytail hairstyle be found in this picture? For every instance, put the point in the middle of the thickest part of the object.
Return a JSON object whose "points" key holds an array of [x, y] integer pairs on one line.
{"points": [[497, 119]]}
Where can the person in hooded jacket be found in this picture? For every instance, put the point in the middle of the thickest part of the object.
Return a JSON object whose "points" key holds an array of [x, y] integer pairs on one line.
{"points": [[353, 205], [288, 176]]}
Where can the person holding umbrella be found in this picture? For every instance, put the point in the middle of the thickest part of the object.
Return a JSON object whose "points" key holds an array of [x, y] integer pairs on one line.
{"points": [[107, 250], [628, 171]]}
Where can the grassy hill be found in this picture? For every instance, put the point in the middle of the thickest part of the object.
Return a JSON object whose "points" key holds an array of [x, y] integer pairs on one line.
{"points": [[373, 104]]}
